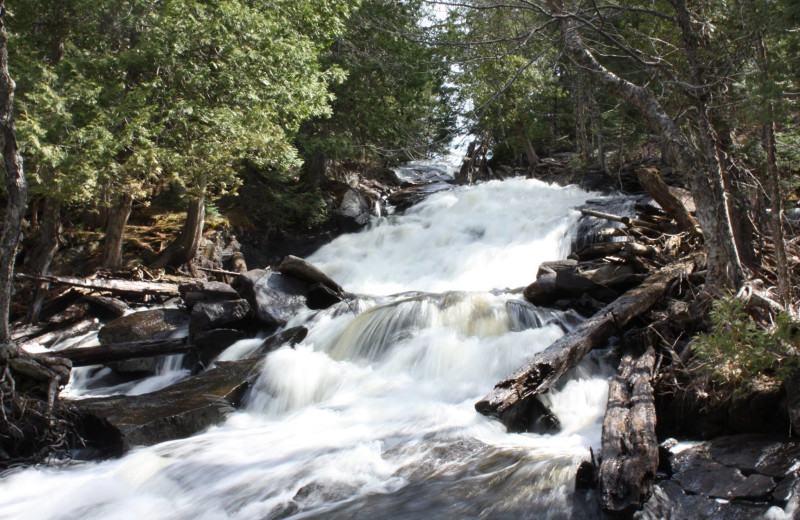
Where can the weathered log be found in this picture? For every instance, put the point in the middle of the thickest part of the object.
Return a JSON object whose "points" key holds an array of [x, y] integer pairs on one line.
{"points": [[628, 221], [653, 184], [115, 286], [70, 330], [605, 249], [102, 354], [630, 446], [221, 272], [511, 398]]}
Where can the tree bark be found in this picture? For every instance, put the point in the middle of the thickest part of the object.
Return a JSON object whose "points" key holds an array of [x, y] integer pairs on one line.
{"points": [[724, 267], [315, 169], [527, 145], [100, 355], [512, 397], [630, 446], [44, 253], [115, 286], [597, 131], [16, 187], [115, 231], [184, 249]]}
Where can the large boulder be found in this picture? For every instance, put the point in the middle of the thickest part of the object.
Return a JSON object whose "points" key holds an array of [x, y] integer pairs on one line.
{"points": [[306, 272], [354, 211], [274, 298], [197, 292], [210, 315], [211, 343], [177, 411]]}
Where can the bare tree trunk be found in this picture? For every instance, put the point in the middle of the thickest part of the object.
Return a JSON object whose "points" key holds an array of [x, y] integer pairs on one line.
{"points": [[724, 267], [115, 231], [597, 130], [314, 169], [44, 253], [527, 145], [184, 248], [16, 187], [776, 217], [579, 100]]}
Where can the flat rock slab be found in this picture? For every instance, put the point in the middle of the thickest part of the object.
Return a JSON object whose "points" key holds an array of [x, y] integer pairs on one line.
{"points": [[274, 298], [175, 412], [764, 454], [697, 473], [670, 502]]}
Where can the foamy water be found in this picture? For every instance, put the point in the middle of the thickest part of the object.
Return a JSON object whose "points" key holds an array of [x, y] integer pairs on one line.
{"points": [[372, 416]]}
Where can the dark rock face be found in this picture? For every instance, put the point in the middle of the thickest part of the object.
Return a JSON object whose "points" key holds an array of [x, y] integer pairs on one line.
{"points": [[175, 412], [211, 343], [734, 477], [274, 298], [150, 324], [304, 271], [321, 297], [792, 389], [210, 315], [291, 336], [354, 211]]}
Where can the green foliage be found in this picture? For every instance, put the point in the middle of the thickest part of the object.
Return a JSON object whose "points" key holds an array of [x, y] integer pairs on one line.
{"points": [[738, 355]]}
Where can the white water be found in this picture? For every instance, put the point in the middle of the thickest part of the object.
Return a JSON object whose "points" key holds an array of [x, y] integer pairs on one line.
{"points": [[372, 415]]}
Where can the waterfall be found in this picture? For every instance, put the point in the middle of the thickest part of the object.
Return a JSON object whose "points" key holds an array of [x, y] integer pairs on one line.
{"points": [[371, 416]]}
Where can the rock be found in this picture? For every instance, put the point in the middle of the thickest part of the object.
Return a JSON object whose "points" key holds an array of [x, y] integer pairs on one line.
{"points": [[765, 454], [194, 293], [149, 324], [174, 412], [670, 502], [304, 271], [617, 276], [575, 284], [211, 343], [543, 291], [354, 211], [274, 298], [786, 489], [210, 315], [697, 473], [556, 266], [321, 297], [291, 336]]}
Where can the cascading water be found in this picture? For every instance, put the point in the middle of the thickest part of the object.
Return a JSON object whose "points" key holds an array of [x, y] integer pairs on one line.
{"points": [[372, 416]]}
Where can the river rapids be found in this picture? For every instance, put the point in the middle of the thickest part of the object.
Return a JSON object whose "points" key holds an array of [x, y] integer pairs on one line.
{"points": [[372, 415]]}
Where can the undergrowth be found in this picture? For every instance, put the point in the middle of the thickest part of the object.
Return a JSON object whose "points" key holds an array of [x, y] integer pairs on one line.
{"points": [[738, 355]]}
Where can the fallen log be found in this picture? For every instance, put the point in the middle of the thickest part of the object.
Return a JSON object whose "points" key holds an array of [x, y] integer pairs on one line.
{"points": [[114, 286], [630, 446], [653, 184], [605, 249], [628, 221], [102, 354], [511, 399], [70, 330]]}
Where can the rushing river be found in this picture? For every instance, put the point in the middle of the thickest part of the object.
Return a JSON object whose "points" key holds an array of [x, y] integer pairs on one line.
{"points": [[372, 415]]}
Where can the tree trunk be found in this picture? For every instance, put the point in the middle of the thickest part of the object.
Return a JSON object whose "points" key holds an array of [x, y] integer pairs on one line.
{"points": [[184, 248], [653, 184], [527, 145], [724, 267], [44, 253], [597, 131], [16, 187], [579, 98], [315, 169], [776, 217], [102, 354], [115, 231]]}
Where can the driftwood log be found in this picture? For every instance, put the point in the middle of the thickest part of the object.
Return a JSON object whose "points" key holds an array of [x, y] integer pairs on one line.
{"points": [[628, 221], [512, 399], [630, 447], [102, 354], [114, 286]]}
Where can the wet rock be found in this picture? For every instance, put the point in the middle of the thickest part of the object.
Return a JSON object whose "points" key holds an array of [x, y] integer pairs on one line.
{"points": [[304, 271], [291, 337], [543, 291], [211, 343], [354, 211], [556, 266], [274, 298], [699, 474], [321, 297], [149, 324], [670, 502], [209, 315], [575, 283], [174, 412], [786, 489], [765, 454]]}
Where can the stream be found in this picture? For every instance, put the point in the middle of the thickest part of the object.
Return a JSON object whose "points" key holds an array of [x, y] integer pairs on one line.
{"points": [[372, 415]]}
